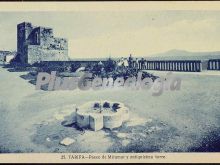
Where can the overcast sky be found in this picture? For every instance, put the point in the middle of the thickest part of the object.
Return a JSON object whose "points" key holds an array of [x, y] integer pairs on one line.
{"points": [[101, 34]]}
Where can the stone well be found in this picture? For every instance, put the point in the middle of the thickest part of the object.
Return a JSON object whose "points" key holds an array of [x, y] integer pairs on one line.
{"points": [[101, 114]]}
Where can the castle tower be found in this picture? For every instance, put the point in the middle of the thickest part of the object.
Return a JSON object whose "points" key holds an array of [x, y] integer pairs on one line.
{"points": [[23, 31], [36, 44]]}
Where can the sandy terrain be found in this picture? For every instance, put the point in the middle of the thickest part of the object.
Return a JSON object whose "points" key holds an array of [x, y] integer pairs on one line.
{"points": [[177, 121]]}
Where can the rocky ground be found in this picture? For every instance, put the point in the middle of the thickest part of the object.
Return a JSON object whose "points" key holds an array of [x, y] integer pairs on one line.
{"points": [[176, 121]]}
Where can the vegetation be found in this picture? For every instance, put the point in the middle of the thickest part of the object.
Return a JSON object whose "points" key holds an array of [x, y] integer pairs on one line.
{"points": [[115, 106], [110, 68], [106, 105], [96, 105]]}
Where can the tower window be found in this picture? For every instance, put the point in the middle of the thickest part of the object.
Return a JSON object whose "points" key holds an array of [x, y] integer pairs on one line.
{"points": [[37, 38]]}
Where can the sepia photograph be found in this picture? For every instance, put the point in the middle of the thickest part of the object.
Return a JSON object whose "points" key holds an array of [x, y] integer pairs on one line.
{"points": [[109, 84]]}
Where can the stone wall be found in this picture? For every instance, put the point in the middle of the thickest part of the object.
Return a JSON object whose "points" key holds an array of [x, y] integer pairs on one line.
{"points": [[37, 53]]}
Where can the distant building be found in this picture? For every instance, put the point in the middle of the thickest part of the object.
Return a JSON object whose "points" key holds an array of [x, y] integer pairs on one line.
{"points": [[36, 44], [6, 56]]}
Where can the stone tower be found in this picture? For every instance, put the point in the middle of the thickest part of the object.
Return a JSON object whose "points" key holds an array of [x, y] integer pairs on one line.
{"points": [[23, 31], [36, 44]]}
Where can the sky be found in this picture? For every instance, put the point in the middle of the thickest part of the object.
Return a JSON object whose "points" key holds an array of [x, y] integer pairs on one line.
{"points": [[105, 33]]}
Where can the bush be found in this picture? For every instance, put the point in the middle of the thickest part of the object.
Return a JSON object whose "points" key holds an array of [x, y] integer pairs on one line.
{"points": [[110, 65], [115, 106], [74, 67], [96, 105], [106, 105]]}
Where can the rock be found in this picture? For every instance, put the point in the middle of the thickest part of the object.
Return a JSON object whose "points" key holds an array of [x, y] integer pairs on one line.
{"points": [[67, 141], [48, 139]]}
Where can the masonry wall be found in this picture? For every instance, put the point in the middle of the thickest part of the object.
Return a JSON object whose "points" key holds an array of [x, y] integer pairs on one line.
{"points": [[23, 32], [39, 53]]}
